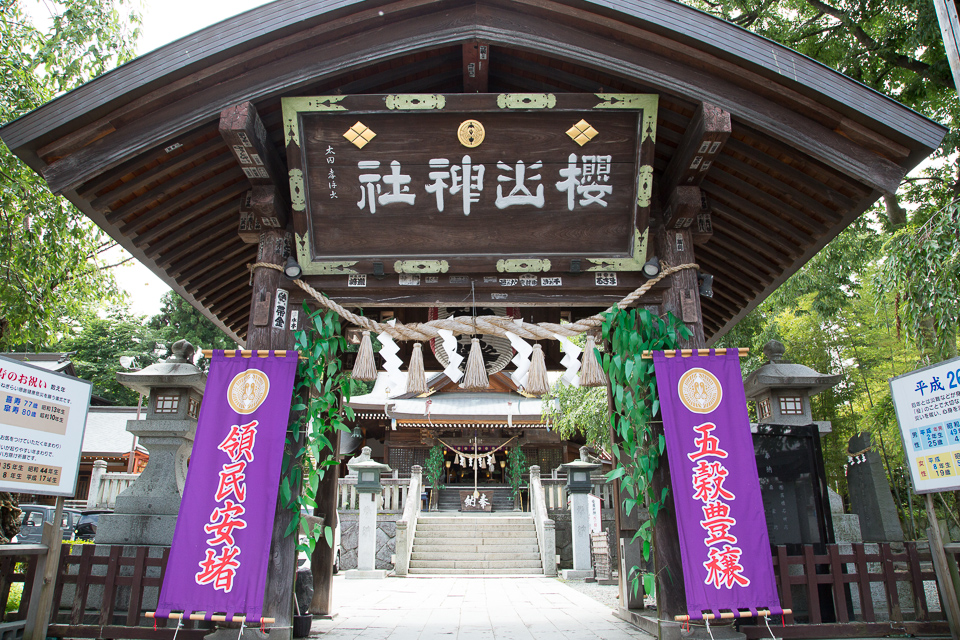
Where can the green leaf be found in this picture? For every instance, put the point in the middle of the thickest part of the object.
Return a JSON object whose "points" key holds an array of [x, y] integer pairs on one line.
{"points": [[328, 535]]}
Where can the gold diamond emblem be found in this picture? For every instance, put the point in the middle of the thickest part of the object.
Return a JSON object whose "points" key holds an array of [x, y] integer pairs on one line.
{"points": [[360, 134], [582, 132]]}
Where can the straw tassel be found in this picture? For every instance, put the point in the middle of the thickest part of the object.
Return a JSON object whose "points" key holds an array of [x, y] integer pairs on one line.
{"points": [[475, 377], [537, 382], [416, 379], [365, 368], [591, 373]]}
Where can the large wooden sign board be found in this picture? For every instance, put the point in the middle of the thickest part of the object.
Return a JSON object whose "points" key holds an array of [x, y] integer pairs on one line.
{"points": [[469, 183]]}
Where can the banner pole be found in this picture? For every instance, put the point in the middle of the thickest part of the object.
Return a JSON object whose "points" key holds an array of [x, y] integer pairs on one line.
{"points": [[951, 604]]}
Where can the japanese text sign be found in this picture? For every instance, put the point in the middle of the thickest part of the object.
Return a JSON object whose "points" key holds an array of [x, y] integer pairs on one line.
{"points": [[723, 534], [927, 402], [42, 420], [467, 177], [221, 544]]}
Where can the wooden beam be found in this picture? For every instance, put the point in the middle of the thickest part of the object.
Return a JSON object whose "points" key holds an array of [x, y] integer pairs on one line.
{"points": [[161, 173], [245, 135], [168, 255], [203, 226], [179, 201], [269, 205], [179, 223], [681, 208], [704, 138], [203, 272], [476, 66]]}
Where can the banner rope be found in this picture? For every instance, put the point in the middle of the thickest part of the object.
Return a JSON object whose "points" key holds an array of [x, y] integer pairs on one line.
{"points": [[710, 633], [177, 630], [766, 620], [485, 325], [471, 456]]}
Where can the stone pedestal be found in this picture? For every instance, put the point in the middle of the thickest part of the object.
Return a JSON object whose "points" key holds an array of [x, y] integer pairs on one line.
{"points": [[369, 488], [580, 529]]}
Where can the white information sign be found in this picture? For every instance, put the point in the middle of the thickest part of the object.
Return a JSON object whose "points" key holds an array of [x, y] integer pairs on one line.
{"points": [[927, 402], [42, 419], [596, 526]]}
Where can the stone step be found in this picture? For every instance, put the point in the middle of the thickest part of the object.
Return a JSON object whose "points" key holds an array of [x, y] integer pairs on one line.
{"points": [[464, 540], [492, 518], [477, 572], [504, 556], [445, 546], [478, 564], [475, 529]]}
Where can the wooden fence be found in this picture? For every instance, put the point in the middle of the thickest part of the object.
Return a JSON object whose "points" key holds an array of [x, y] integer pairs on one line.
{"points": [[876, 574], [105, 596]]}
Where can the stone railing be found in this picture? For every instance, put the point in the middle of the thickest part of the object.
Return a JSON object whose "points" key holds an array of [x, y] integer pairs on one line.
{"points": [[392, 499], [407, 525], [555, 491], [546, 533], [105, 487]]}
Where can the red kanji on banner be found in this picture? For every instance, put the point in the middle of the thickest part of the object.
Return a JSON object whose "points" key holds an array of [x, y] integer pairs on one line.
{"points": [[223, 521], [231, 481], [708, 480], [240, 441], [709, 445], [717, 523], [724, 568], [219, 570]]}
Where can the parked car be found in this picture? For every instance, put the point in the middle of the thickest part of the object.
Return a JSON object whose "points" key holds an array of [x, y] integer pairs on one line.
{"points": [[33, 517], [86, 528]]}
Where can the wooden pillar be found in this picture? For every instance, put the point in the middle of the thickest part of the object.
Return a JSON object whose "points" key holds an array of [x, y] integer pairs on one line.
{"points": [[269, 329], [324, 556], [674, 246]]}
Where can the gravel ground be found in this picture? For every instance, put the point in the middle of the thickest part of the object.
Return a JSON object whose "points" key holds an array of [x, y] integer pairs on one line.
{"points": [[606, 595]]}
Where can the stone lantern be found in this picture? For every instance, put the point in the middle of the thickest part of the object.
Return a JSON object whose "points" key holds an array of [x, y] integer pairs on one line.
{"points": [[146, 512], [782, 390], [368, 474], [579, 485]]}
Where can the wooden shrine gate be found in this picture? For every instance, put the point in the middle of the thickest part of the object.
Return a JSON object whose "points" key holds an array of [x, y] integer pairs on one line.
{"points": [[404, 156]]}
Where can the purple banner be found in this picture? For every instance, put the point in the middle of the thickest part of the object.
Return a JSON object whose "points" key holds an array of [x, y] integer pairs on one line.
{"points": [[221, 544], [723, 533]]}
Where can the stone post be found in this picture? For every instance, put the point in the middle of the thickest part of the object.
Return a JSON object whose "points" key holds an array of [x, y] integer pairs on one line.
{"points": [[579, 486], [370, 489], [96, 477], [870, 496], [146, 512]]}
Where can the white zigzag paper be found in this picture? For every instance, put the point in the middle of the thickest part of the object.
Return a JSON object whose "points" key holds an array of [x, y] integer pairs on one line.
{"points": [[450, 346], [391, 363], [571, 361], [521, 359]]}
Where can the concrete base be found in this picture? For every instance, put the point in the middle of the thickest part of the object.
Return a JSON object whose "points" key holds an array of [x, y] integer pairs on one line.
{"points": [[135, 529], [357, 574], [325, 616], [576, 574]]}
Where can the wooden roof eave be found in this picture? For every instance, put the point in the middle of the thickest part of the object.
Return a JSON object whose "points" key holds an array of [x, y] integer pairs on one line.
{"points": [[214, 44]]}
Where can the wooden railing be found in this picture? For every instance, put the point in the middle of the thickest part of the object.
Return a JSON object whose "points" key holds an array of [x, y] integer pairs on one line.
{"points": [[18, 565], [391, 500], [854, 586]]}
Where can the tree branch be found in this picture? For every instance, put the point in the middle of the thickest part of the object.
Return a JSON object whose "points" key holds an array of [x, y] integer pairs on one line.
{"points": [[897, 59]]}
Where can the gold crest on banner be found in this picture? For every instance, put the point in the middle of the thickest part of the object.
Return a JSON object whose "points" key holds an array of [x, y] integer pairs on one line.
{"points": [[700, 391], [248, 390]]}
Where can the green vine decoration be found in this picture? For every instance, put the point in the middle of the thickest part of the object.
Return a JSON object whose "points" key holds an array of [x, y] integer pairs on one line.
{"points": [[633, 388], [322, 379], [516, 467]]}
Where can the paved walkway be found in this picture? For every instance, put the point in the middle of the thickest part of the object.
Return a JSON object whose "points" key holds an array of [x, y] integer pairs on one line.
{"points": [[466, 608]]}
